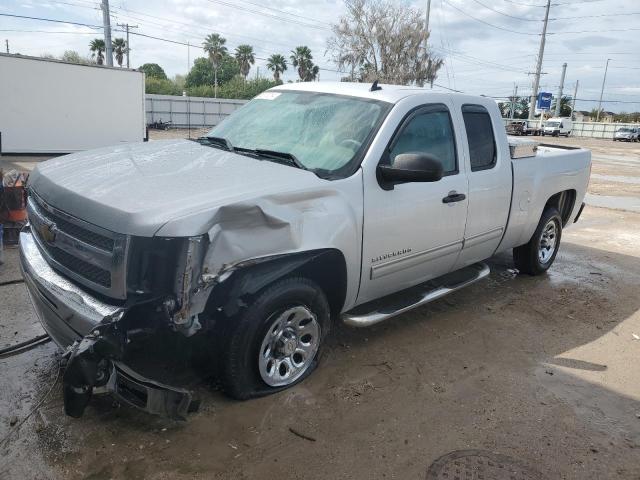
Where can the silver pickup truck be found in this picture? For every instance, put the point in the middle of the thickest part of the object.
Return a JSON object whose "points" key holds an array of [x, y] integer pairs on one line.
{"points": [[314, 203]]}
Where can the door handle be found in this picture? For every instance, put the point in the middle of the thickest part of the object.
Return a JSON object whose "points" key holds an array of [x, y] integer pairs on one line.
{"points": [[454, 197]]}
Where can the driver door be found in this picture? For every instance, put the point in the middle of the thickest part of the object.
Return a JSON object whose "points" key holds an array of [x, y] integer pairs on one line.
{"points": [[414, 231]]}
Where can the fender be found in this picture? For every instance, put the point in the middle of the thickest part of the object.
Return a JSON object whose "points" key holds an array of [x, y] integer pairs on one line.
{"points": [[327, 267]]}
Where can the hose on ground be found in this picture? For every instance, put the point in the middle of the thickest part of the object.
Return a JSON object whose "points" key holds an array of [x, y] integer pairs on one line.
{"points": [[23, 346]]}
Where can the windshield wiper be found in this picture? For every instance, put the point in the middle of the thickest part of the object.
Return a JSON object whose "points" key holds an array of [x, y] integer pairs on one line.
{"points": [[290, 158], [218, 141]]}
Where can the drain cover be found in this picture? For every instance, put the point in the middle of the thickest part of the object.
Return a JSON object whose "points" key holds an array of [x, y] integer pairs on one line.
{"points": [[479, 465]]}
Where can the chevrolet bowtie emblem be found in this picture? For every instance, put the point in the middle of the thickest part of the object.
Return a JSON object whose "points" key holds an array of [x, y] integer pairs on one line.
{"points": [[48, 232]]}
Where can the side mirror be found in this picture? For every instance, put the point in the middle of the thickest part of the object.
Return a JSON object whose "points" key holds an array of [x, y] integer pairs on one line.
{"points": [[410, 167]]}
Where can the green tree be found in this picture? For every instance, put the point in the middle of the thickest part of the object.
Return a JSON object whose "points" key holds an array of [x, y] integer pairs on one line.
{"points": [[119, 49], [213, 45], [565, 106], [302, 59], [153, 70], [202, 72], [277, 64], [97, 48], [245, 58]]}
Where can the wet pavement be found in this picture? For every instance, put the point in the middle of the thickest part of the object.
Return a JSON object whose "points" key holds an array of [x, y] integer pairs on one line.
{"points": [[542, 369]]}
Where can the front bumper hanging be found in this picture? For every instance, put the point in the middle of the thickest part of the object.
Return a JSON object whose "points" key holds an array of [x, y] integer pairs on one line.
{"points": [[89, 331]]}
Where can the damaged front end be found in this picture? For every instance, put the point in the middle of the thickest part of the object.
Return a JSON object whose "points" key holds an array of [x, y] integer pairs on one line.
{"points": [[99, 337], [95, 366]]}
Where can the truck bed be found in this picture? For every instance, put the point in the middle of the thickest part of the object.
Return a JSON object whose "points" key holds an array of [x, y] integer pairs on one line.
{"points": [[536, 178]]}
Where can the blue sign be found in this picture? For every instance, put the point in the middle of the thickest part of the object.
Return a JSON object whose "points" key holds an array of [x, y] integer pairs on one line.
{"points": [[544, 101]]}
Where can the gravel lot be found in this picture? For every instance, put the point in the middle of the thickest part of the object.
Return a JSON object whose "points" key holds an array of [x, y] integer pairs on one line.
{"points": [[543, 370]]}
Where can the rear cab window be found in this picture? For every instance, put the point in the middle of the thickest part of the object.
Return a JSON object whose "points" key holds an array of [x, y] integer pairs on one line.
{"points": [[480, 137]]}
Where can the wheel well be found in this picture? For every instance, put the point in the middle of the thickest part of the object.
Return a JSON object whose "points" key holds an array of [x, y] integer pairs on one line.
{"points": [[329, 271], [326, 267], [564, 203]]}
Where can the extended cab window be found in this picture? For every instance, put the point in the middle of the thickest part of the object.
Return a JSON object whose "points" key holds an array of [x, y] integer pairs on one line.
{"points": [[429, 131], [482, 144]]}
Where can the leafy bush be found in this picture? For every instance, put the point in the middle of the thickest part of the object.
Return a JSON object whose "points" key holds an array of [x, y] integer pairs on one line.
{"points": [[238, 88], [161, 86]]}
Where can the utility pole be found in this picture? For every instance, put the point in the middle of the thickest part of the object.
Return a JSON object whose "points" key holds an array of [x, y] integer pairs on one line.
{"points": [[7, 43], [536, 82], [426, 36], [559, 99], [604, 79], [575, 94], [106, 22], [513, 101], [126, 27]]}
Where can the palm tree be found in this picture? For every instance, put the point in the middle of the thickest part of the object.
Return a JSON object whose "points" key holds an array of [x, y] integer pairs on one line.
{"points": [[313, 73], [277, 64], [301, 58], [97, 48], [213, 45], [119, 49], [245, 58]]}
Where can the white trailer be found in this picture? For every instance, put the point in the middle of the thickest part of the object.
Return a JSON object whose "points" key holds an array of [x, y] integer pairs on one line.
{"points": [[49, 106]]}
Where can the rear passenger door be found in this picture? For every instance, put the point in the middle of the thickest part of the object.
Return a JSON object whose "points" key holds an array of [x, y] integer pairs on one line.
{"points": [[489, 176]]}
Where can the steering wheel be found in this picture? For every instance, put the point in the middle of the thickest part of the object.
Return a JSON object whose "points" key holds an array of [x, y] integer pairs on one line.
{"points": [[349, 143]]}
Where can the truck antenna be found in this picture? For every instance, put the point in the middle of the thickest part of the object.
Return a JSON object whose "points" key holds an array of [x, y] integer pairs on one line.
{"points": [[375, 86]]}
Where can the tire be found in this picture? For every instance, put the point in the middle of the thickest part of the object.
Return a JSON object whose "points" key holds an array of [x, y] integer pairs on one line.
{"points": [[530, 258], [291, 299]]}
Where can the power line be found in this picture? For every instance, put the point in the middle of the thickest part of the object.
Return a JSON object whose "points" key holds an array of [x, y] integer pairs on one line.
{"points": [[486, 23], [596, 16], [190, 25], [597, 31], [257, 12], [285, 12], [50, 20], [506, 14]]}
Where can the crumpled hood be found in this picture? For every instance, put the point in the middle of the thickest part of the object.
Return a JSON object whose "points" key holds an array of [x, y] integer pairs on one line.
{"points": [[137, 188]]}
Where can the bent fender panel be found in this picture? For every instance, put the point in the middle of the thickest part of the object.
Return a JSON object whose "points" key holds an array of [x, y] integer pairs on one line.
{"points": [[248, 278], [325, 217]]}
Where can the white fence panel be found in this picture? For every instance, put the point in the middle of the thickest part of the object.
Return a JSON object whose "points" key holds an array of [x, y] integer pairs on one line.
{"points": [[189, 111]]}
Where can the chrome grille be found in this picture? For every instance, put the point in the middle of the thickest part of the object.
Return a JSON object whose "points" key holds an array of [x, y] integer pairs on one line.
{"points": [[78, 232], [84, 252]]}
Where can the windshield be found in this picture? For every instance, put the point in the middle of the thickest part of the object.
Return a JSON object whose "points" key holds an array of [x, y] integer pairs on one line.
{"points": [[553, 124], [625, 130], [323, 132]]}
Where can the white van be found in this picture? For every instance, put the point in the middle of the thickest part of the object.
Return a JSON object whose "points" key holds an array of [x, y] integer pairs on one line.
{"points": [[557, 126]]}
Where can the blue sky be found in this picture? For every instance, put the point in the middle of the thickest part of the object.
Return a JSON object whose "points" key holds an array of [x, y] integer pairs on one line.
{"points": [[488, 45]]}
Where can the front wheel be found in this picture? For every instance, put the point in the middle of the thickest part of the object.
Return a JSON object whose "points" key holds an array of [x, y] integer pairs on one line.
{"points": [[276, 341], [536, 256]]}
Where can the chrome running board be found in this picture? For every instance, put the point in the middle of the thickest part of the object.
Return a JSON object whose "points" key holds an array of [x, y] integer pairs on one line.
{"points": [[400, 302]]}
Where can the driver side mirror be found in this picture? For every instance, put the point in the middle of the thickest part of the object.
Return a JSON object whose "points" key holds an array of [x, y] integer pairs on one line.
{"points": [[410, 167]]}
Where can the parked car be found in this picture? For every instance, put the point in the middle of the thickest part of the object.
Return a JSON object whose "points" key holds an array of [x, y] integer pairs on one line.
{"points": [[313, 202], [517, 128], [557, 126], [626, 134]]}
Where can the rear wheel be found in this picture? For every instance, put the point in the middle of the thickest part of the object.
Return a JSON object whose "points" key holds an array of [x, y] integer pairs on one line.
{"points": [[276, 342], [536, 256]]}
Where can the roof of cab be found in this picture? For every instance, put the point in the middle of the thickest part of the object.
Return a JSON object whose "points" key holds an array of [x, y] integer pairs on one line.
{"points": [[387, 93]]}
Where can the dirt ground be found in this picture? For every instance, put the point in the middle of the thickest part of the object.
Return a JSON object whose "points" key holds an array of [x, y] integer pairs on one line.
{"points": [[544, 370]]}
